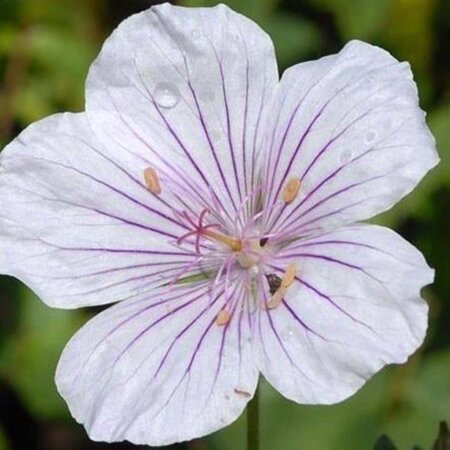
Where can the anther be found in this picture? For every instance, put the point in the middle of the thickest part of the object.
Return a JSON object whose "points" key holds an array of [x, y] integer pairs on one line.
{"points": [[276, 299], [290, 190], [286, 281], [289, 275], [223, 318], [152, 180]]}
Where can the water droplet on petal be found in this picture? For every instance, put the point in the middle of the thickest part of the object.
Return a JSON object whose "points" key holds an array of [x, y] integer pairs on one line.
{"points": [[370, 136], [207, 96], [166, 95], [196, 34], [386, 125], [287, 334], [345, 156], [215, 135]]}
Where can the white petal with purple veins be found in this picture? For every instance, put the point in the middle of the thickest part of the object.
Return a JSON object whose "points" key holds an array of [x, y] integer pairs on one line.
{"points": [[185, 89], [350, 128], [206, 197], [78, 224], [159, 369], [354, 307]]}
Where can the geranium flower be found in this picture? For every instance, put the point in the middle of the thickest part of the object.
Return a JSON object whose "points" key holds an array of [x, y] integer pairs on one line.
{"points": [[216, 205]]}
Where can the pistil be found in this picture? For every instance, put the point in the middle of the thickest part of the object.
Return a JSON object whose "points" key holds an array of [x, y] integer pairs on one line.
{"points": [[234, 244]]}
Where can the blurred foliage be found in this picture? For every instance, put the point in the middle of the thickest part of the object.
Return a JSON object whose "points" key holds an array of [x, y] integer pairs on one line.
{"points": [[46, 47], [443, 439], [29, 361]]}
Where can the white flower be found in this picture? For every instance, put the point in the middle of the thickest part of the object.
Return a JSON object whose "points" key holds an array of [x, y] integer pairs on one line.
{"points": [[216, 204]]}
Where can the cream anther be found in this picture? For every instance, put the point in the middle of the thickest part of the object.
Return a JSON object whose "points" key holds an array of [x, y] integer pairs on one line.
{"points": [[286, 281], [152, 181], [223, 318], [277, 298], [290, 190], [289, 275]]}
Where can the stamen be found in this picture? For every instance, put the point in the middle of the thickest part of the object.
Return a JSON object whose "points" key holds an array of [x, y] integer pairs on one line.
{"points": [[152, 180], [234, 244], [205, 230], [290, 190], [286, 281], [289, 275], [223, 318], [276, 299]]}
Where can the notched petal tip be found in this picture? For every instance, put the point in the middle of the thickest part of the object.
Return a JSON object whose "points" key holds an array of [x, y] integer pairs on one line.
{"points": [[141, 373], [357, 309], [353, 132]]}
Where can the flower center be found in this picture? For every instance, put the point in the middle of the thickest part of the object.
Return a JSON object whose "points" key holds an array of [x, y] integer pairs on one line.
{"points": [[251, 253], [206, 231]]}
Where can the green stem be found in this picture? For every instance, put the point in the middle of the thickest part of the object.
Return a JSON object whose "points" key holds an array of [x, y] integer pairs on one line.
{"points": [[253, 423]]}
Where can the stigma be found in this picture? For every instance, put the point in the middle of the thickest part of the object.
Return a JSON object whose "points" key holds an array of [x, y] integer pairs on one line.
{"points": [[209, 231]]}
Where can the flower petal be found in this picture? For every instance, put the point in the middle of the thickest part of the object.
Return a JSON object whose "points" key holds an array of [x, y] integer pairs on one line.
{"points": [[185, 88], [160, 370], [78, 224], [354, 307], [349, 127]]}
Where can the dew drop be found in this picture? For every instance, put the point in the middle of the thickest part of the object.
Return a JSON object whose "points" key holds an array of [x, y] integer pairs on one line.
{"points": [[215, 135], [166, 95], [345, 156], [386, 125], [287, 334], [231, 36], [370, 136], [207, 96], [196, 35]]}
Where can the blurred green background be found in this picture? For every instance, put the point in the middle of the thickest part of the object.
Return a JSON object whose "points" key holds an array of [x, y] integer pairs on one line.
{"points": [[46, 47]]}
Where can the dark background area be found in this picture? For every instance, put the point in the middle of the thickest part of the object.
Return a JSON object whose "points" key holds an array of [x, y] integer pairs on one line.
{"points": [[46, 47]]}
